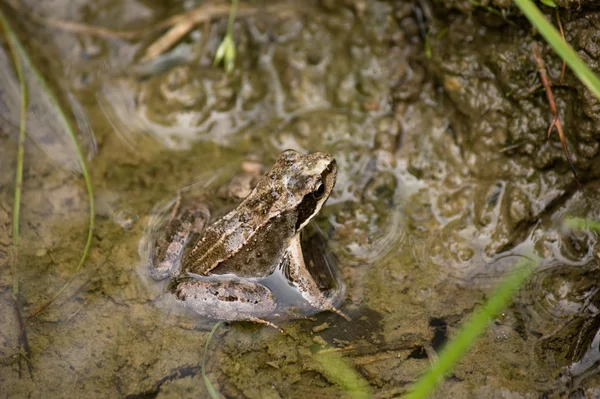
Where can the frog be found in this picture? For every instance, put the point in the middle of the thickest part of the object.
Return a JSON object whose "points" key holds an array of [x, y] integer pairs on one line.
{"points": [[220, 268]]}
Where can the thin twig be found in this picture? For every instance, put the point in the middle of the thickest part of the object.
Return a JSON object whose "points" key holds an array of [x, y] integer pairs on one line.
{"points": [[541, 66], [183, 23], [23, 340]]}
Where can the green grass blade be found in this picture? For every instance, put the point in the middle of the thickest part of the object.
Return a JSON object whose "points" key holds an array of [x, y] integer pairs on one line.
{"points": [[226, 51], [23, 341], [458, 346], [209, 386], [63, 118], [553, 37], [549, 3], [20, 153]]}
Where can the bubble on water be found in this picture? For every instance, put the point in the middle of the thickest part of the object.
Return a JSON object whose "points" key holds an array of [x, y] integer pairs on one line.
{"points": [[126, 218]]}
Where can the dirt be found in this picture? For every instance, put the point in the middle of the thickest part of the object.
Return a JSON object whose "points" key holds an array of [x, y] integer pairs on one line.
{"points": [[437, 120]]}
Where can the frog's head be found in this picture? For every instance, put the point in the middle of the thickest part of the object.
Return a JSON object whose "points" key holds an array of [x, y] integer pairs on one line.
{"points": [[307, 181]]}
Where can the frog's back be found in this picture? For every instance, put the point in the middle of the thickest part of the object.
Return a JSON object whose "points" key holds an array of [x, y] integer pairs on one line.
{"points": [[237, 246]]}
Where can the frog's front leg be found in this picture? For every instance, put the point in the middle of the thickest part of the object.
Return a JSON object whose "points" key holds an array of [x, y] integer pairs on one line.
{"points": [[304, 282], [225, 297]]}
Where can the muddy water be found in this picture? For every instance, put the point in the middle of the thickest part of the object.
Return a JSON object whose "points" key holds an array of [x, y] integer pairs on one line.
{"points": [[445, 179]]}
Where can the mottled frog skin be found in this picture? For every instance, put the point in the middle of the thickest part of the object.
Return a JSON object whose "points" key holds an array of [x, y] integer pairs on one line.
{"points": [[219, 275]]}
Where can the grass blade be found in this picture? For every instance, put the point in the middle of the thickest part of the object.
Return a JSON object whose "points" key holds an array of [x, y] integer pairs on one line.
{"points": [[458, 346], [209, 386], [63, 118], [226, 51], [17, 195], [12, 39]]}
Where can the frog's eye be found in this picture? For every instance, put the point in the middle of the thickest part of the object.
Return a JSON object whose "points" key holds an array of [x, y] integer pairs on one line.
{"points": [[319, 191]]}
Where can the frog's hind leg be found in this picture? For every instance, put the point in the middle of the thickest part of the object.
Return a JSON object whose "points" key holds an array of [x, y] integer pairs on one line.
{"points": [[300, 276], [225, 298], [168, 250]]}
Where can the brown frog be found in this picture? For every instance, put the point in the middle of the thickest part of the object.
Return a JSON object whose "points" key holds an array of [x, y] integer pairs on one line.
{"points": [[224, 273]]}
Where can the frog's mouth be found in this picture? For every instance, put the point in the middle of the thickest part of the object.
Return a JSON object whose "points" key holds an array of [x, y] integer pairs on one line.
{"points": [[328, 178]]}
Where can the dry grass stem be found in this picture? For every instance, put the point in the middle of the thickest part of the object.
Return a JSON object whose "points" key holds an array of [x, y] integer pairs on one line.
{"points": [[541, 66], [178, 25]]}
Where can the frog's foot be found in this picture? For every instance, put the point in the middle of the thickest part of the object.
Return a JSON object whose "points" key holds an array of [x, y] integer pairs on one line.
{"points": [[295, 314], [328, 307], [267, 323], [176, 206], [331, 308]]}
